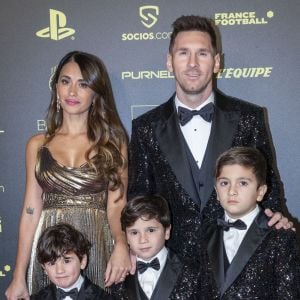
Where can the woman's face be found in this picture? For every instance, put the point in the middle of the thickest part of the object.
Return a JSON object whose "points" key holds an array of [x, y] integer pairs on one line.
{"points": [[74, 95]]}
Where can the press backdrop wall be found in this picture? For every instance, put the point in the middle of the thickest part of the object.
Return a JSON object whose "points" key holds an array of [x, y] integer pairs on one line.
{"points": [[261, 64]]}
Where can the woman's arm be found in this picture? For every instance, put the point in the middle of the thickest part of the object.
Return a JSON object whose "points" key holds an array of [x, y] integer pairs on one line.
{"points": [[30, 216], [119, 264]]}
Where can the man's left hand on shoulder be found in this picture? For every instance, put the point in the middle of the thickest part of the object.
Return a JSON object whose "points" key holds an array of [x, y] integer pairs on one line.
{"points": [[278, 220]]}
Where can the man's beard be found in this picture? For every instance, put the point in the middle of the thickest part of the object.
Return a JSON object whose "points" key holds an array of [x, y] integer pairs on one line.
{"points": [[191, 91]]}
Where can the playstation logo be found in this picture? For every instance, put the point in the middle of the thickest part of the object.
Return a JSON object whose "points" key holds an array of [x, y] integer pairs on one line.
{"points": [[148, 14], [57, 30]]}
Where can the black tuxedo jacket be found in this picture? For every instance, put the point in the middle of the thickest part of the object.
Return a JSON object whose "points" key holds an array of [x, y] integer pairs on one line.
{"points": [[88, 291], [159, 163], [266, 265], [176, 281]]}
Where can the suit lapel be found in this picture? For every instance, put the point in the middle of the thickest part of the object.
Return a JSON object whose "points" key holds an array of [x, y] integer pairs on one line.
{"points": [[167, 278], [171, 143], [254, 236], [224, 126], [216, 253], [132, 287], [51, 294], [86, 291]]}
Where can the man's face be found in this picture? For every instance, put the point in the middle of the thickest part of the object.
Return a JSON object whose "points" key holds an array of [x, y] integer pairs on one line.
{"points": [[65, 270], [193, 63], [147, 237]]}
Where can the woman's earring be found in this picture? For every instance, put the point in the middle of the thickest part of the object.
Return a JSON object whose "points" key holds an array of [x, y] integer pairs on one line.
{"points": [[93, 105], [57, 104]]}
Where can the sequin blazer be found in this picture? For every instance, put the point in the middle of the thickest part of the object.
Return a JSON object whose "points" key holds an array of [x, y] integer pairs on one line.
{"points": [[266, 265], [178, 280], [88, 291], [158, 163]]}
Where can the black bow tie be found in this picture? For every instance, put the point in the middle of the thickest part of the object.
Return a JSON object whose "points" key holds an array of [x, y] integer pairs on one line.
{"points": [[142, 266], [238, 224], [61, 294], [185, 115]]}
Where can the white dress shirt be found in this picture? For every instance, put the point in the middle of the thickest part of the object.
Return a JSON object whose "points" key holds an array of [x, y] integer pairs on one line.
{"points": [[197, 131], [150, 277], [234, 237], [77, 285]]}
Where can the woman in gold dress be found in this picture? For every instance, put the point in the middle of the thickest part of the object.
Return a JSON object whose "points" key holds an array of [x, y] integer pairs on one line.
{"points": [[76, 173]]}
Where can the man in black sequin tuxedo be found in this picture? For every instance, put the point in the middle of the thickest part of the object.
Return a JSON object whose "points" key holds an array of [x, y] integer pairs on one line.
{"points": [[177, 160], [249, 259]]}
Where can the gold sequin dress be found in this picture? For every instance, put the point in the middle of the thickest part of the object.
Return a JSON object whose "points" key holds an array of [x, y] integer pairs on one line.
{"points": [[76, 196]]}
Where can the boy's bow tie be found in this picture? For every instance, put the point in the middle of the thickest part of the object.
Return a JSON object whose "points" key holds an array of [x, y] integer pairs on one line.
{"points": [[238, 224], [63, 294], [142, 266]]}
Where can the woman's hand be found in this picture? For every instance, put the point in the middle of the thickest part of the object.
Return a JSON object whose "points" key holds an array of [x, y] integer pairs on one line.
{"points": [[17, 290], [119, 265]]}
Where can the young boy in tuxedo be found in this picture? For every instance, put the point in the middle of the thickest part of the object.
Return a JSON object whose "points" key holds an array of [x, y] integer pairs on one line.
{"points": [[249, 259], [160, 274], [63, 252]]}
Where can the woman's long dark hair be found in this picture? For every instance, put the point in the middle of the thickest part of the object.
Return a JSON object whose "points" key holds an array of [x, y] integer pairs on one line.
{"points": [[104, 127]]}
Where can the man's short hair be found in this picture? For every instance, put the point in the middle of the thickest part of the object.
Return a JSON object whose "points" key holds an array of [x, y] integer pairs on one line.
{"points": [[194, 23]]}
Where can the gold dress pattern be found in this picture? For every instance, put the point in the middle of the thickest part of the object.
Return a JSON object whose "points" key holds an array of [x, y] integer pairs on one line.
{"points": [[76, 196]]}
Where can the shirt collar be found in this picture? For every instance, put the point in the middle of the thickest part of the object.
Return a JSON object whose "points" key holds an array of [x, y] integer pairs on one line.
{"points": [[248, 218], [161, 256], [211, 98]]}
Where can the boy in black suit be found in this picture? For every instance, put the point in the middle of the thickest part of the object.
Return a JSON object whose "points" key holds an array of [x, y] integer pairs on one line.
{"points": [[160, 274], [249, 259], [63, 252]]}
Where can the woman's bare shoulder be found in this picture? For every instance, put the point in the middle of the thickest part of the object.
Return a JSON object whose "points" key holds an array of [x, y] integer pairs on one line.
{"points": [[36, 142]]}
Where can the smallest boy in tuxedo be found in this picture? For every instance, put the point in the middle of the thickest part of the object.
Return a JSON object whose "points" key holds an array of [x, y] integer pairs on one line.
{"points": [[63, 253], [160, 274], [249, 259]]}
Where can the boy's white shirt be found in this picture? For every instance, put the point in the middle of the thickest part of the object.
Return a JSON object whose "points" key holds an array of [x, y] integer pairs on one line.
{"points": [[77, 284], [234, 237], [150, 277]]}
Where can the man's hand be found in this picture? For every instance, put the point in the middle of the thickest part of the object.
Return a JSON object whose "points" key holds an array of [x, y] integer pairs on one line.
{"points": [[278, 220]]}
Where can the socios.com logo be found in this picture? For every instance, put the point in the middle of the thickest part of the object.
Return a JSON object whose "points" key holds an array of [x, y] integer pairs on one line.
{"points": [[148, 14], [57, 29]]}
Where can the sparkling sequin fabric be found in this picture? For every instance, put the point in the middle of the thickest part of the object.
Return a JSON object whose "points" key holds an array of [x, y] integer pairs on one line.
{"points": [[152, 170], [76, 196], [195, 281], [192, 282], [272, 272]]}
